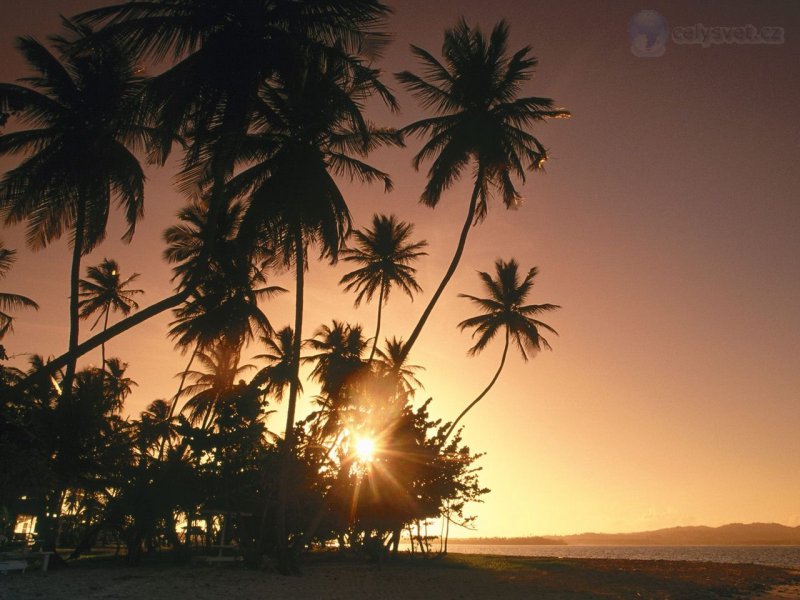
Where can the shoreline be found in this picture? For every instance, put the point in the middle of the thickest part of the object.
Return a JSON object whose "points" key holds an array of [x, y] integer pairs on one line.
{"points": [[464, 576], [784, 556]]}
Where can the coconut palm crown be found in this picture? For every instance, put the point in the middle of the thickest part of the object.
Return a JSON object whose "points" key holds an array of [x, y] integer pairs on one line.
{"points": [[481, 117], [384, 254], [104, 291], [504, 309]]}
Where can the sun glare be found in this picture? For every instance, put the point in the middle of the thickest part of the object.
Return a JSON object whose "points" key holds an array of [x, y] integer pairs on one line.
{"points": [[365, 449]]}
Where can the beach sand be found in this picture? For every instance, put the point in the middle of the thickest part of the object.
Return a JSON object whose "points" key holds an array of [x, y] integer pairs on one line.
{"points": [[455, 577]]}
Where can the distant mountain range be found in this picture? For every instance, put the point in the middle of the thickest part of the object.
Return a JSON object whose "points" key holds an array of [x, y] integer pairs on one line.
{"points": [[734, 534]]}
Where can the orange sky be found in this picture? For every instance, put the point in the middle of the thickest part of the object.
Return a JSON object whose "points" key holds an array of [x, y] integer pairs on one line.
{"points": [[666, 227]]}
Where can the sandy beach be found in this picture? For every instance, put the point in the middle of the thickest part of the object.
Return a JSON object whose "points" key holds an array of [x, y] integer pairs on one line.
{"points": [[456, 577]]}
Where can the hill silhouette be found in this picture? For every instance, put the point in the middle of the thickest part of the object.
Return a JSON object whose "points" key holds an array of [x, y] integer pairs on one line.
{"points": [[733, 534]]}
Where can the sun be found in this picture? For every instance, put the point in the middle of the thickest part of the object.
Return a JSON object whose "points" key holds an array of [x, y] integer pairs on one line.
{"points": [[365, 449]]}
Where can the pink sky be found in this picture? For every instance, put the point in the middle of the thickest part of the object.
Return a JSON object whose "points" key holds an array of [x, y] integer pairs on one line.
{"points": [[666, 226]]}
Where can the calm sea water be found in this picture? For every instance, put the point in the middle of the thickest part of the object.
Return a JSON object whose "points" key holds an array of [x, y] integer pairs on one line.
{"points": [[777, 556]]}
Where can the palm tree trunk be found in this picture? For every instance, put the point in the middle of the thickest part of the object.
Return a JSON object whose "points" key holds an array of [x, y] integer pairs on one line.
{"points": [[378, 326], [116, 329], [103, 345], [285, 565], [483, 393], [75, 274], [462, 241]]}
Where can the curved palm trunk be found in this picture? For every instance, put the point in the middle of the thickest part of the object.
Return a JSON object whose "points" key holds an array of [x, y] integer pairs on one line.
{"points": [[285, 563], [75, 274], [483, 393], [378, 326], [462, 241], [116, 329]]}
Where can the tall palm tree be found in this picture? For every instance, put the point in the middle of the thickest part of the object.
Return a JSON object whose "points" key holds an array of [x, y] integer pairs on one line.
{"points": [[105, 292], [504, 309], [311, 127], [384, 253], [312, 124], [481, 122], [10, 301], [84, 111]]}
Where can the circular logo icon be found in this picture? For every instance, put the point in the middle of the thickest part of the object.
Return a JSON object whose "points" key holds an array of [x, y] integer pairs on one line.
{"points": [[648, 32]]}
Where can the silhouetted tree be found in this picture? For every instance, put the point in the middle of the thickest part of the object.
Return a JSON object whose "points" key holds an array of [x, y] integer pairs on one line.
{"points": [[393, 365], [505, 309], [481, 121], [312, 127], [275, 378], [83, 106], [104, 291], [384, 253], [210, 387]]}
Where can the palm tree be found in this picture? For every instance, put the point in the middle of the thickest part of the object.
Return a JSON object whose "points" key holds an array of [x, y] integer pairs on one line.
{"points": [[83, 107], [338, 350], [277, 375], [393, 365], [481, 121], [211, 386], [10, 301], [505, 309], [312, 125], [156, 427], [104, 291], [340, 370], [384, 253], [117, 386]]}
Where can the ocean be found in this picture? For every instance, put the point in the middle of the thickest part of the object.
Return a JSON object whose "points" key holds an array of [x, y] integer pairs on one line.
{"points": [[776, 556]]}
